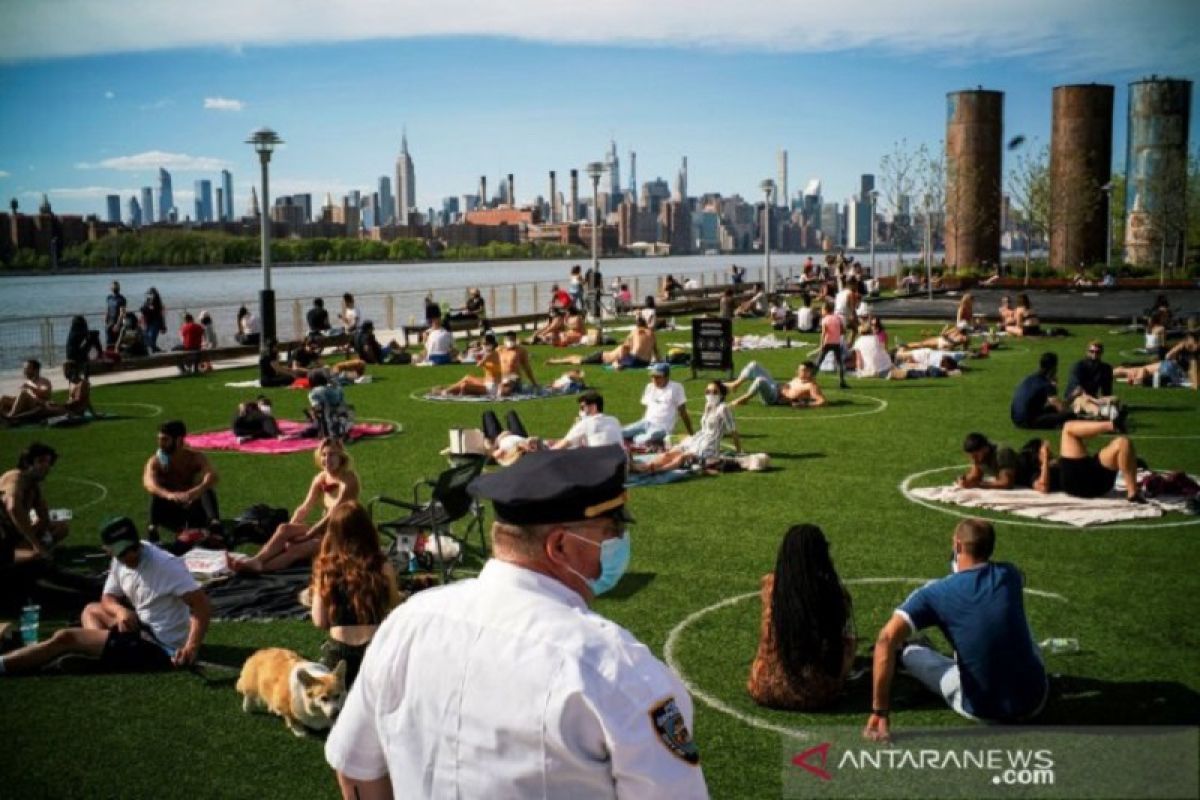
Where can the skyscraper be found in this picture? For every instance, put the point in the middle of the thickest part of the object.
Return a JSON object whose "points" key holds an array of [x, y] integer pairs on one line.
{"points": [[220, 206], [226, 210], [633, 187], [114, 208], [203, 201], [868, 186], [387, 203], [135, 211], [783, 198], [147, 206], [252, 208], [406, 190], [166, 197], [613, 165], [681, 182]]}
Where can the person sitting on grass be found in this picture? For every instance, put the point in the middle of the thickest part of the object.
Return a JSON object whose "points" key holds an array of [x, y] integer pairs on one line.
{"points": [[251, 422], [368, 349], [1090, 385], [327, 408], [353, 587], [755, 305], [306, 357], [152, 614], [180, 483], [477, 386], [33, 400], [703, 446], [1024, 321], [964, 315], [548, 333], [1006, 313], [801, 391], [871, 359], [79, 392], [594, 428], [640, 349], [296, 540], [21, 496], [664, 400], [439, 344], [996, 674], [1035, 404], [1081, 474], [806, 639], [270, 372]]}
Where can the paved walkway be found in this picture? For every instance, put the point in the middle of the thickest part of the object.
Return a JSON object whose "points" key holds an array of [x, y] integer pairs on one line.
{"points": [[1062, 306]]}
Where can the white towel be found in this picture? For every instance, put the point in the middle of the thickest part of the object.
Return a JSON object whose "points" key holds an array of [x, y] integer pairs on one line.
{"points": [[1053, 507]]}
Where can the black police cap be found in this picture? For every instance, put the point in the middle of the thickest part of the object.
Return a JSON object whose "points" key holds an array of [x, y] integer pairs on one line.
{"points": [[558, 486]]}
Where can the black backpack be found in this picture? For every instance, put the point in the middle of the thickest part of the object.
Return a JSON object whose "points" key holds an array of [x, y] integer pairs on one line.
{"points": [[257, 523]]}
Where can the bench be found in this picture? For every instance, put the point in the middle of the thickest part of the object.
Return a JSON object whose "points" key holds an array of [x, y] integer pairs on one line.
{"points": [[178, 358]]}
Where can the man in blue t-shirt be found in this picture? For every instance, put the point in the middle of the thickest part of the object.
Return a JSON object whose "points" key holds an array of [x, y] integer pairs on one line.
{"points": [[996, 673], [1034, 403]]}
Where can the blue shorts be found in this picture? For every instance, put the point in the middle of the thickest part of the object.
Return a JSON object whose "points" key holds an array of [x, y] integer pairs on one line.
{"points": [[440, 359]]}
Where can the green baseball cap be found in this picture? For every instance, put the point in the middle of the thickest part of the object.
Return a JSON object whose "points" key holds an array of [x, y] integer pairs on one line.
{"points": [[118, 535]]}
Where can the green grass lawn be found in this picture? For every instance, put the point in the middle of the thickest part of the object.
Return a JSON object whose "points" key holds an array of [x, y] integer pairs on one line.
{"points": [[1129, 596]]}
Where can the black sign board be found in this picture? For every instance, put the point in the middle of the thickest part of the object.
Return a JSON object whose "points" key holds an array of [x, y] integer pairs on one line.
{"points": [[712, 344]]}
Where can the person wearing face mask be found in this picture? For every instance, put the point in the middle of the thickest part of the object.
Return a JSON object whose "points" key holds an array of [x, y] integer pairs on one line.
{"points": [[180, 483], [581, 708], [996, 674], [705, 445], [594, 428], [26, 530], [296, 540]]}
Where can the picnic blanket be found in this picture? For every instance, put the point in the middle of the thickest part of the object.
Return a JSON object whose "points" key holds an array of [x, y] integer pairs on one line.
{"points": [[767, 342], [540, 393], [272, 595], [292, 443], [252, 384], [1056, 506], [636, 479]]}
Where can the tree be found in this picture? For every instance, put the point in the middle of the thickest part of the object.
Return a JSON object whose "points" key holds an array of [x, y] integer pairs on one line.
{"points": [[898, 171], [931, 185], [1158, 212], [1029, 187]]}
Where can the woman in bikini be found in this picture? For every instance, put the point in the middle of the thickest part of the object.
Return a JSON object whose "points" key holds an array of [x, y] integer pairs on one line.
{"points": [[1025, 321], [478, 385], [296, 540]]}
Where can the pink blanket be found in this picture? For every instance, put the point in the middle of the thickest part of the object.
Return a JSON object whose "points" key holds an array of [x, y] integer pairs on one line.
{"points": [[225, 440]]}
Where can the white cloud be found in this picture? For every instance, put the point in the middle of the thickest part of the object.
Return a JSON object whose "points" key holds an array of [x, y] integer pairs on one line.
{"points": [[156, 105], [223, 104], [1108, 34], [81, 192], [3, 174], [153, 159], [110, 94]]}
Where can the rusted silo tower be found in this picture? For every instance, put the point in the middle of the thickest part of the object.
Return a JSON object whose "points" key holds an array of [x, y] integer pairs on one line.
{"points": [[974, 130], [1080, 168], [1156, 171]]}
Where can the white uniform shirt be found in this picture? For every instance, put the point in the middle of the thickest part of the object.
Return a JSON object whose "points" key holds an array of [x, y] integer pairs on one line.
{"points": [[663, 404], [153, 588], [508, 686], [596, 430], [439, 342]]}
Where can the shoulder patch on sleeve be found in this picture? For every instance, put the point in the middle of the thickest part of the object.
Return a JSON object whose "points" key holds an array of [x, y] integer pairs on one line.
{"points": [[672, 731]]}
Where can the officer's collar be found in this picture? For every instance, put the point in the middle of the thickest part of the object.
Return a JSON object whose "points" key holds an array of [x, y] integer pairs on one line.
{"points": [[516, 576]]}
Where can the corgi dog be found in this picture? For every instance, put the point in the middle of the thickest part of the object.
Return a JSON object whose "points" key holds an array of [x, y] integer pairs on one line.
{"points": [[306, 694]]}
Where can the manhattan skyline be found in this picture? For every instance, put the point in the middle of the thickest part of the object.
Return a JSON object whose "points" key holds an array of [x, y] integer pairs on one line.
{"points": [[99, 114]]}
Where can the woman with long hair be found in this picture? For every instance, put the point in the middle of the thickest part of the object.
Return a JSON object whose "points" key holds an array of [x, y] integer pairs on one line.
{"points": [[248, 330], [296, 540], [353, 587], [349, 313], [154, 317], [806, 645]]}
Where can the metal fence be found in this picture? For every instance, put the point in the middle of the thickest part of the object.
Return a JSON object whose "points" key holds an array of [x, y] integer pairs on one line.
{"points": [[45, 337]]}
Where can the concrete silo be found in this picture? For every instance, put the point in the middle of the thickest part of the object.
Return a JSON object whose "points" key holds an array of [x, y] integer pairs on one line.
{"points": [[974, 130], [1156, 171], [1080, 168]]}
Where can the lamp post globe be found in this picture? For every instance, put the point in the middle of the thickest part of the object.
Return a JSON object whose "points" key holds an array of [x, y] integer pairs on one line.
{"points": [[265, 141], [768, 187]]}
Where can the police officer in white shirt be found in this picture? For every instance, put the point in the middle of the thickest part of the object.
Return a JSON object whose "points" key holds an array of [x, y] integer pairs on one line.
{"points": [[594, 428], [663, 399], [507, 685]]}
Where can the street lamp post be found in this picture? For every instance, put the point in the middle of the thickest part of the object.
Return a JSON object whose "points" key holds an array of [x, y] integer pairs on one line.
{"points": [[874, 198], [768, 187], [928, 246], [1108, 246], [595, 170], [264, 141]]}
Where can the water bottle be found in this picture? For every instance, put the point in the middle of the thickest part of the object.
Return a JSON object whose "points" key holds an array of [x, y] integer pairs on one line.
{"points": [[1156, 381], [30, 617], [1060, 646], [413, 566]]}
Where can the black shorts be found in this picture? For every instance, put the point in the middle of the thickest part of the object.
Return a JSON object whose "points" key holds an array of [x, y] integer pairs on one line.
{"points": [[1086, 477], [130, 652]]}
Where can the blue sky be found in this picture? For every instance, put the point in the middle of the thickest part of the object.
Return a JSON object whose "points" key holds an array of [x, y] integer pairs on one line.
{"points": [[98, 105]]}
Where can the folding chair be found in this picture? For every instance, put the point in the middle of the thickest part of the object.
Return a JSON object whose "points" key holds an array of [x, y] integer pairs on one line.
{"points": [[449, 502]]}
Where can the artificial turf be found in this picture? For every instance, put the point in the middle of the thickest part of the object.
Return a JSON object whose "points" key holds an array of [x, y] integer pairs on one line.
{"points": [[1129, 595]]}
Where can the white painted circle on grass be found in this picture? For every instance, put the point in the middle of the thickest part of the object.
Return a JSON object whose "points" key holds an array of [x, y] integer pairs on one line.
{"points": [[905, 488], [155, 410], [85, 482], [794, 414], [419, 394], [676, 633]]}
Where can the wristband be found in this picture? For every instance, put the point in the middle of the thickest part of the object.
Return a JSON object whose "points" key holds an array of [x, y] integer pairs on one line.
{"points": [[881, 712]]}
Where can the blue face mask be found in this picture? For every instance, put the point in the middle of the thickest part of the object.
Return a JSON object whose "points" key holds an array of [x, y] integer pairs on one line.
{"points": [[164, 458], [614, 560]]}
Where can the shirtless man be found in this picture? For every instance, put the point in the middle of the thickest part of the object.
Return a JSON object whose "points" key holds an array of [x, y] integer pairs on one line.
{"points": [[640, 349], [514, 365], [951, 338], [180, 483], [549, 333], [33, 400], [475, 386], [800, 392]]}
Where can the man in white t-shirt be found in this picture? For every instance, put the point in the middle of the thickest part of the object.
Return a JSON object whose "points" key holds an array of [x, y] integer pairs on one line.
{"points": [[594, 428], [663, 399], [152, 614], [439, 343]]}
